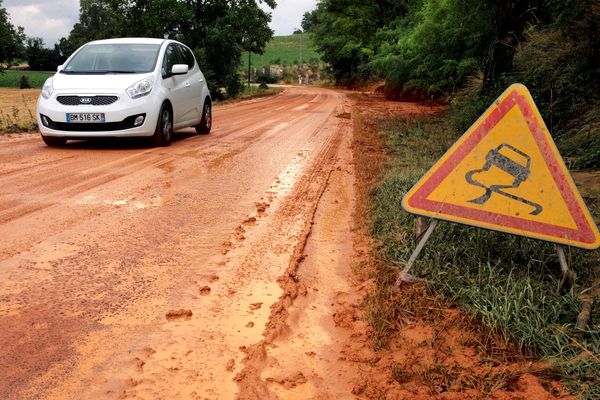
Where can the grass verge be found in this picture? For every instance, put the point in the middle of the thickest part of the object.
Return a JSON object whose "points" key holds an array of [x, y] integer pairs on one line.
{"points": [[258, 91], [254, 92], [12, 79], [507, 283]]}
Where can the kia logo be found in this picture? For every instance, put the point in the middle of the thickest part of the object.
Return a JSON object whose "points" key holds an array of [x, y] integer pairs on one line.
{"points": [[85, 100]]}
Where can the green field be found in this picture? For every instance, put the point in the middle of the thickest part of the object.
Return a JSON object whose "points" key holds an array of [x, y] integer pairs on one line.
{"points": [[284, 50], [11, 79]]}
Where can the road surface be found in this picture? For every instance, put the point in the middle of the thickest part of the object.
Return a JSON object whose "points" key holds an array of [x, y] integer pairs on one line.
{"points": [[135, 272]]}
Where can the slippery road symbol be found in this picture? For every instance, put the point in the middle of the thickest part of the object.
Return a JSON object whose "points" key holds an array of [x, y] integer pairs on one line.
{"points": [[504, 157]]}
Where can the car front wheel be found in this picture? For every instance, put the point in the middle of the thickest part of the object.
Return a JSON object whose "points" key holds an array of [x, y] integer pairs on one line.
{"points": [[203, 128], [164, 128]]}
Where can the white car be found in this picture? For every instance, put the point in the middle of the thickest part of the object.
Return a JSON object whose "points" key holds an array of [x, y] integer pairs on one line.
{"points": [[123, 88]]}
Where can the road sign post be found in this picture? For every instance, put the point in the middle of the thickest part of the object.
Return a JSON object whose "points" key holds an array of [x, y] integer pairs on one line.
{"points": [[506, 174]]}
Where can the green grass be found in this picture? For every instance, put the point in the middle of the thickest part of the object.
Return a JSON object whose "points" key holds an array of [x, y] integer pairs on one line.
{"points": [[252, 92], [508, 283], [11, 79], [284, 50]]}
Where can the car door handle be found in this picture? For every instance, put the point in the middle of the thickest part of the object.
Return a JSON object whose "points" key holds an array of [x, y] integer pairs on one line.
{"points": [[188, 84]]}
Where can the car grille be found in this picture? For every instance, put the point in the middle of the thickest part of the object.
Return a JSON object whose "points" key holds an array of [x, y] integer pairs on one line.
{"points": [[86, 100]]}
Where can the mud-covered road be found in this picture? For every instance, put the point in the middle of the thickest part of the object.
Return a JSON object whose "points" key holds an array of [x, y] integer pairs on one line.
{"points": [[172, 273]]}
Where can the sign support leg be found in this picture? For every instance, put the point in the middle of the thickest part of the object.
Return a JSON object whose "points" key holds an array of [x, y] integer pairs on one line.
{"points": [[421, 227], [568, 275], [404, 276]]}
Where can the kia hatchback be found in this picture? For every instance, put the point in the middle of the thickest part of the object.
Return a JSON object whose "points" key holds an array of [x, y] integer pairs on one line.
{"points": [[131, 87]]}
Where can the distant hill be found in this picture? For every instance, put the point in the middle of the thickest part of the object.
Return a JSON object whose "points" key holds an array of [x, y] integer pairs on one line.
{"points": [[284, 50]]}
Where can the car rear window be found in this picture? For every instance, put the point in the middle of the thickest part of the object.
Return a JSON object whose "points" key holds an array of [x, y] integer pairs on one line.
{"points": [[113, 58]]}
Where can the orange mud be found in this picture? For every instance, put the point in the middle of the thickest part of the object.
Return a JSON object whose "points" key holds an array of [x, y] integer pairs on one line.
{"points": [[224, 266]]}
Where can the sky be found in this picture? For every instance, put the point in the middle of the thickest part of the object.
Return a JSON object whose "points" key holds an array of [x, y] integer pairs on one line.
{"points": [[53, 19]]}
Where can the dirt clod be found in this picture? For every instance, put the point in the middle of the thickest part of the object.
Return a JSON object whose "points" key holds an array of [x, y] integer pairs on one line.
{"points": [[230, 365], [181, 314], [205, 290]]}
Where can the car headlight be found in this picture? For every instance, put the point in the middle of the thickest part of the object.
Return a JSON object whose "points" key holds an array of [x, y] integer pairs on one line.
{"points": [[141, 88], [47, 89]]}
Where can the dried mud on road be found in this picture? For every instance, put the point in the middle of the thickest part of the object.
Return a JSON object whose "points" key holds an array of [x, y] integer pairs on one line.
{"points": [[232, 265]]}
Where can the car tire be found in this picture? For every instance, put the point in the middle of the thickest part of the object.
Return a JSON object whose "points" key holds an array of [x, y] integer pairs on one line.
{"points": [[164, 127], [54, 141], [203, 128]]}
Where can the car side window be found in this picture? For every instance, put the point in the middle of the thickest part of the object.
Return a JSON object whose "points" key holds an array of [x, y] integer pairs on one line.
{"points": [[187, 56], [171, 58]]}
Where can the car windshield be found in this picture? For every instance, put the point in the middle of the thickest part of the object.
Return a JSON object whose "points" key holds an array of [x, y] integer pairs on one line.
{"points": [[122, 58]]}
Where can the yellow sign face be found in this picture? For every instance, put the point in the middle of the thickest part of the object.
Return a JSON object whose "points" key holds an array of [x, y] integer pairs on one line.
{"points": [[505, 173]]}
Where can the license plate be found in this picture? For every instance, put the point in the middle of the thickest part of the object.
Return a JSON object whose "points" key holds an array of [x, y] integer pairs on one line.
{"points": [[86, 117]]}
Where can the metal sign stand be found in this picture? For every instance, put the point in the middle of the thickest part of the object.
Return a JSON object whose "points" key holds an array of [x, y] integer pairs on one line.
{"points": [[568, 275], [404, 276]]}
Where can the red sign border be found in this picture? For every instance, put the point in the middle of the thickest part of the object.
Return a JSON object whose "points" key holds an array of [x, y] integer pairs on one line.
{"points": [[584, 232]]}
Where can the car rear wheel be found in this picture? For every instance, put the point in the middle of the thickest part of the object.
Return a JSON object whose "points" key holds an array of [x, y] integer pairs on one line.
{"points": [[164, 128], [203, 128], [54, 141]]}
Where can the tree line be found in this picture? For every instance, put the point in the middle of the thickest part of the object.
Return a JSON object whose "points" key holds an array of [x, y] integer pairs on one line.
{"points": [[467, 51], [218, 31]]}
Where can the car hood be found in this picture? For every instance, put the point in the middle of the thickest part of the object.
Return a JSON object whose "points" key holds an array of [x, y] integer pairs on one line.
{"points": [[99, 82]]}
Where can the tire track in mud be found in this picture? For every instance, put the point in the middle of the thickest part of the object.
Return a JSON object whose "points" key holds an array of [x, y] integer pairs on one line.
{"points": [[312, 188]]}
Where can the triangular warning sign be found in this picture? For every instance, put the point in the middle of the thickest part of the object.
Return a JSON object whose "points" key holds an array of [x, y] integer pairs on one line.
{"points": [[505, 174]]}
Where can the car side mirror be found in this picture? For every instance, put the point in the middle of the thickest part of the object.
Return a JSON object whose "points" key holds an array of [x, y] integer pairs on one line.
{"points": [[180, 69], [59, 68]]}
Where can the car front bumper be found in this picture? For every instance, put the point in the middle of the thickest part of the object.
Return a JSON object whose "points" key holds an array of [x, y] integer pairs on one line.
{"points": [[119, 117]]}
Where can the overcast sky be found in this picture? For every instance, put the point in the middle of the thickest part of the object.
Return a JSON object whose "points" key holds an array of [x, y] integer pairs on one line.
{"points": [[53, 19]]}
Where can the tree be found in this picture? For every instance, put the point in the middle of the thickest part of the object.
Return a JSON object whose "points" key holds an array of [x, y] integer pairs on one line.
{"points": [[64, 48], [11, 39], [218, 30], [98, 19], [437, 47], [309, 19], [344, 31], [41, 58], [510, 19]]}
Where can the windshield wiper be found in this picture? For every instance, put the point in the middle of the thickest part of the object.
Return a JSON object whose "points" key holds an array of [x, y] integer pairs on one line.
{"points": [[78, 72], [116, 71], [103, 72]]}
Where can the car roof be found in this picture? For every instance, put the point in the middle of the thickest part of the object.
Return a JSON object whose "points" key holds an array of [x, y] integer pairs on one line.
{"points": [[130, 41]]}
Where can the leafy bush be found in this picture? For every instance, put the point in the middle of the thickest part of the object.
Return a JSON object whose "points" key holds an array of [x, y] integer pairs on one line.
{"points": [[447, 42], [24, 82]]}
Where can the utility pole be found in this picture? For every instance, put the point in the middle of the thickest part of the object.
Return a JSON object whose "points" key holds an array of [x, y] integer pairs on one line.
{"points": [[248, 68], [301, 63]]}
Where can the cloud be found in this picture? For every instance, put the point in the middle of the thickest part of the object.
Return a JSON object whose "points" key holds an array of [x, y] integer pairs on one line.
{"points": [[288, 14], [48, 19]]}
